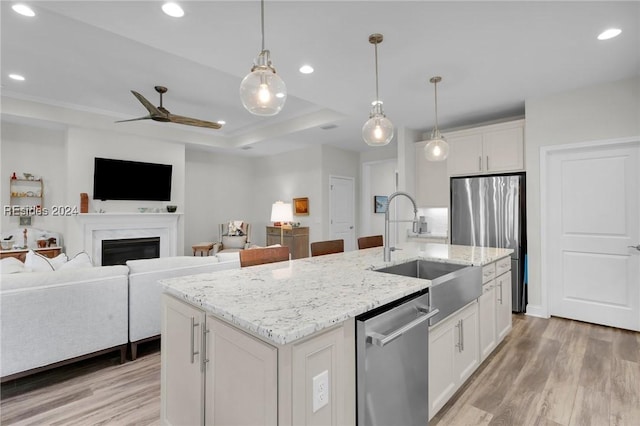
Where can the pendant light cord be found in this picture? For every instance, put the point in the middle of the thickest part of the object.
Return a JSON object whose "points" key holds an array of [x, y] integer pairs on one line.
{"points": [[376, 55], [262, 21], [435, 85]]}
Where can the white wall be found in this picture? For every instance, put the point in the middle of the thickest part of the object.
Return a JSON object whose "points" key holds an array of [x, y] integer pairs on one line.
{"points": [[283, 177], [218, 188], [604, 111], [85, 144], [38, 150], [380, 180]]}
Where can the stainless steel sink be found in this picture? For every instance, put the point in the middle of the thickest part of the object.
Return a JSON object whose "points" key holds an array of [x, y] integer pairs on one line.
{"points": [[452, 286]]}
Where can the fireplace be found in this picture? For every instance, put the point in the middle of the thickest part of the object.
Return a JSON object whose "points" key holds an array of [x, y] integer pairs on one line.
{"points": [[117, 252]]}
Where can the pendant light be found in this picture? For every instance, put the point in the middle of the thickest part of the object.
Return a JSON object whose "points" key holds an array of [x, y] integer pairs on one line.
{"points": [[378, 130], [262, 91], [437, 149]]}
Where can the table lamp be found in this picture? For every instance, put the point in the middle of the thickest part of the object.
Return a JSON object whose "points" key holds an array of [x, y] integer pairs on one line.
{"points": [[281, 213]]}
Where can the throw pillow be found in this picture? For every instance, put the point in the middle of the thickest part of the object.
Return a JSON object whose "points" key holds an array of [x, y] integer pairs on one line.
{"points": [[80, 260], [11, 265], [235, 242], [58, 261], [37, 263], [235, 228]]}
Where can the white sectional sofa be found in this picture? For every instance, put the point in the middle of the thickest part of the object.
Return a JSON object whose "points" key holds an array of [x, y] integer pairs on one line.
{"points": [[58, 317], [53, 318], [145, 290]]}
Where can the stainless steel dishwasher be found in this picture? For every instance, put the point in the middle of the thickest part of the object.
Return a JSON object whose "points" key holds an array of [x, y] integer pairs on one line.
{"points": [[392, 363]]}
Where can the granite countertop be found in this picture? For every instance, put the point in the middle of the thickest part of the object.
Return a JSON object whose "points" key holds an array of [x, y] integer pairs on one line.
{"points": [[283, 302]]}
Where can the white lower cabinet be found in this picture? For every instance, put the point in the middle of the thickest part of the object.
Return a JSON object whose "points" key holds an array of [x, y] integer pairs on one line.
{"points": [[487, 319], [503, 305], [213, 373], [453, 355]]}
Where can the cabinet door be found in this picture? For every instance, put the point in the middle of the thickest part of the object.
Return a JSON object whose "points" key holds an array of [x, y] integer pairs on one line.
{"points": [[503, 305], [503, 150], [467, 356], [241, 378], [432, 182], [182, 381], [442, 347], [465, 155], [487, 319]]}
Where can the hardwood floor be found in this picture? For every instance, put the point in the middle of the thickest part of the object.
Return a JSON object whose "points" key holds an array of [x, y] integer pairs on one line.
{"points": [[546, 372], [553, 372]]}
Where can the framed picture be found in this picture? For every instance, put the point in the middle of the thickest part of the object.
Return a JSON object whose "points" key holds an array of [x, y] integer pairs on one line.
{"points": [[25, 220], [379, 203], [301, 206]]}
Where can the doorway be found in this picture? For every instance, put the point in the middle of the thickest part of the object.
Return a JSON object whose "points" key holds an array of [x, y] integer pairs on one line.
{"points": [[342, 210], [591, 199]]}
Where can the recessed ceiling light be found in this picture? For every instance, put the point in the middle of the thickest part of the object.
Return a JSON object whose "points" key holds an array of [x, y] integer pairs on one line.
{"points": [[23, 10], [17, 77], [173, 9], [306, 69], [221, 122], [610, 33]]}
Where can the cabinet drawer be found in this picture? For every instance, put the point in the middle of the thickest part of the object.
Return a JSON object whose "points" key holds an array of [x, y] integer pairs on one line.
{"points": [[486, 288], [503, 265], [488, 272]]}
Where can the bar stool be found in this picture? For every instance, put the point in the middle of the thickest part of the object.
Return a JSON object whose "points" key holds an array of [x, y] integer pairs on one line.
{"points": [[368, 242], [259, 256], [320, 248]]}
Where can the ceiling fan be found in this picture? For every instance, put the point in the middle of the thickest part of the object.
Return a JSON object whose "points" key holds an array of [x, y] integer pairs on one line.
{"points": [[160, 113]]}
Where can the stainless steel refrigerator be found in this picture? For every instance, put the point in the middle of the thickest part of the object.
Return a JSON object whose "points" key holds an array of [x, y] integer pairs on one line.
{"points": [[490, 211]]}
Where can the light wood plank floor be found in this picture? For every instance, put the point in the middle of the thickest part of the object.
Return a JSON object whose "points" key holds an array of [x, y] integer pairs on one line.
{"points": [[546, 372]]}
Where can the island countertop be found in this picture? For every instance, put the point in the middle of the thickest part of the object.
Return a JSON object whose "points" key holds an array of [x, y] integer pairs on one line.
{"points": [[283, 302]]}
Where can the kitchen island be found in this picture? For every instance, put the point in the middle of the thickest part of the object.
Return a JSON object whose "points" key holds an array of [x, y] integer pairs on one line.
{"points": [[248, 346]]}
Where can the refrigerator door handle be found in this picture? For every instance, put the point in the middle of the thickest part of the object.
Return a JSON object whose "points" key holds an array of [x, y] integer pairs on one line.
{"points": [[487, 163], [479, 162]]}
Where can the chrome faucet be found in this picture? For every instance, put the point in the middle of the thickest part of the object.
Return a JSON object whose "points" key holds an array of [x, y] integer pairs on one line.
{"points": [[387, 248]]}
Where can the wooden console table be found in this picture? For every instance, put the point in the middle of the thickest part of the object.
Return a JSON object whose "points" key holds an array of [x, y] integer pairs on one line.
{"points": [[297, 239], [21, 254]]}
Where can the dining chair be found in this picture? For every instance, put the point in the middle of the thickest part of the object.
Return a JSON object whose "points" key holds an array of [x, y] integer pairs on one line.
{"points": [[320, 248], [370, 241], [259, 256]]}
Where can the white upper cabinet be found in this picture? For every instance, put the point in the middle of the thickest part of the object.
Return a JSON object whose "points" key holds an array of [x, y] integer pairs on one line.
{"points": [[432, 181], [487, 149]]}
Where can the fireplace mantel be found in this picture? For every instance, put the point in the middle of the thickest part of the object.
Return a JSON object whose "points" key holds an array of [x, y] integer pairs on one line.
{"points": [[107, 226]]}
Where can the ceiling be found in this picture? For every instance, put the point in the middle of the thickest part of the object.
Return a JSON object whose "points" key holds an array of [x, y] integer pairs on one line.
{"points": [[492, 56]]}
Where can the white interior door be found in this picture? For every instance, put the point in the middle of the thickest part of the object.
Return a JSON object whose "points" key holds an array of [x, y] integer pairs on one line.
{"points": [[594, 218], [342, 211]]}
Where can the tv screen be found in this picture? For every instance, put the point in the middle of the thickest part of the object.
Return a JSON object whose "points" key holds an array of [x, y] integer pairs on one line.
{"points": [[131, 180]]}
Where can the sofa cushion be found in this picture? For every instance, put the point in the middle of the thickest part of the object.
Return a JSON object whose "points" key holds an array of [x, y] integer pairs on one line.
{"points": [[235, 228], [58, 261], [11, 265], [37, 263], [237, 242], [20, 282], [228, 256], [79, 261], [166, 263]]}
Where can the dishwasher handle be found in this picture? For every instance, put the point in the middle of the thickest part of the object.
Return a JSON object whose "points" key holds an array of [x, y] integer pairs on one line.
{"points": [[381, 340]]}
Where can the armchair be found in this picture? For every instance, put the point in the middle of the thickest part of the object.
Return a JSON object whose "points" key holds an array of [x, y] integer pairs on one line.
{"points": [[233, 236]]}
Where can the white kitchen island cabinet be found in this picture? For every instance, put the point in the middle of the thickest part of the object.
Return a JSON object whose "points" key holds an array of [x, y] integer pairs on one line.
{"points": [[275, 344]]}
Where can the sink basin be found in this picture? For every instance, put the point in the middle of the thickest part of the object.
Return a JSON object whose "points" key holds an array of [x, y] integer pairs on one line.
{"points": [[452, 286]]}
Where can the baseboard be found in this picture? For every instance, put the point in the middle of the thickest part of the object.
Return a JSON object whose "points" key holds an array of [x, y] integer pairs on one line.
{"points": [[536, 311]]}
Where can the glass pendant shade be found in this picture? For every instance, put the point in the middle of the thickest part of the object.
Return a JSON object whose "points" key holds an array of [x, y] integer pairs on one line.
{"points": [[262, 91], [378, 130], [437, 149]]}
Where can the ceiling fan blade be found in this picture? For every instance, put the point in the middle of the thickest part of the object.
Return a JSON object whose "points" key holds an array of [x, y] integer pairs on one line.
{"points": [[179, 119], [146, 117], [153, 111]]}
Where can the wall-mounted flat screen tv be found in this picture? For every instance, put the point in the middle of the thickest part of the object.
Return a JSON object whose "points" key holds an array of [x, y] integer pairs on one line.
{"points": [[131, 180]]}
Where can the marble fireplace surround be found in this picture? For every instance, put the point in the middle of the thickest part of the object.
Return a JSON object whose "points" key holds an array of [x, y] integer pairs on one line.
{"points": [[114, 226]]}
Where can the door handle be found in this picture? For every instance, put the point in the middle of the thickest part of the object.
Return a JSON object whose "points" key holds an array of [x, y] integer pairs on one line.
{"points": [[192, 350], [381, 340], [487, 163], [636, 247], [480, 162]]}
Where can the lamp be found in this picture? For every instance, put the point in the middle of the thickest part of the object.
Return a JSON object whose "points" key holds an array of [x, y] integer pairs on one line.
{"points": [[378, 130], [280, 213], [437, 149], [262, 91]]}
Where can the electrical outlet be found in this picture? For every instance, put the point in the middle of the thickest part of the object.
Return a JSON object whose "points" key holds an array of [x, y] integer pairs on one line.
{"points": [[320, 390]]}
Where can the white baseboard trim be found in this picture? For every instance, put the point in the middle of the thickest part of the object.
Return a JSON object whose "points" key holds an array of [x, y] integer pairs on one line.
{"points": [[536, 311]]}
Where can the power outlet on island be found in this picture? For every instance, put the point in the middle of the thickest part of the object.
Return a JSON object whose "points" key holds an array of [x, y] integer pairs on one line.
{"points": [[320, 390]]}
